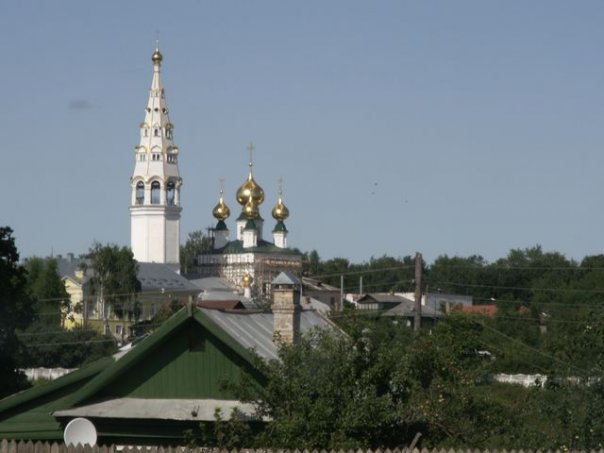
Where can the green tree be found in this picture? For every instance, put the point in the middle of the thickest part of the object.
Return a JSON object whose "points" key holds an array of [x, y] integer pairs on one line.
{"points": [[15, 311], [196, 244], [114, 280]]}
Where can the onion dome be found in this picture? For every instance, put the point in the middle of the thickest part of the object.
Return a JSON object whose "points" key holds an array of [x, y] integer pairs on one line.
{"points": [[280, 211], [221, 211], [157, 57], [250, 210], [247, 280], [250, 190]]}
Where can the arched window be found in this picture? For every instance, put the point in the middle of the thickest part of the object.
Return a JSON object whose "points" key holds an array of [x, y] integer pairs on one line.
{"points": [[170, 191], [140, 192], [155, 198]]}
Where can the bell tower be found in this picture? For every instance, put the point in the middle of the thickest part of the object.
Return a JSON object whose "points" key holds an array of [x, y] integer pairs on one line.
{"points": [[156, 182]]}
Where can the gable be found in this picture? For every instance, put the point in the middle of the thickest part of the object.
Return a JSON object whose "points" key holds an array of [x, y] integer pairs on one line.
{"points": [[191, 363]]}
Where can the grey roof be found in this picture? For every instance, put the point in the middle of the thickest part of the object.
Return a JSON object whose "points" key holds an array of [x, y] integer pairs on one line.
{"points": [[153, 276], [317, 305], [67, 267], [381, 298], [315, 284], [254, 330], [157, 276], [286, 278], [162, 409], [407, 309], [213, 284]]}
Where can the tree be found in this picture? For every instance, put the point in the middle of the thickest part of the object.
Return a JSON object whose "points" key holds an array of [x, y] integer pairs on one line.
{"points": [[196, 244], [15, 311], [114, 280], [48, 292]]}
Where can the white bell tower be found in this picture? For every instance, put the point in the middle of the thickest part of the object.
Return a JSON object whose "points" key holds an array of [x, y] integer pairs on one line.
{"points": [[156, 182]]}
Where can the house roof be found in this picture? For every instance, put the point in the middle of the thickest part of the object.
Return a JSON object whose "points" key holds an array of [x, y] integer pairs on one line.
{"points": [[407, 309], [383, 298], [286, 278], [221, 304], [254, 330], [159, 276], [152, 276], [159, 409], [486, 310]]}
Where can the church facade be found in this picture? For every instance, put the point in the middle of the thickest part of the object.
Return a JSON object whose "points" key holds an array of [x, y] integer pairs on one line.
{"points": [[249, 261]]}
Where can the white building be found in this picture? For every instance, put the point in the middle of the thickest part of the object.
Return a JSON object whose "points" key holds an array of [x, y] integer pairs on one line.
{"points": [[156, 182]]}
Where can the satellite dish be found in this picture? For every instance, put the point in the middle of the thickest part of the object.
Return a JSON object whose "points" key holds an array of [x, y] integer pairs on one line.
{"points": [[80, 431]]}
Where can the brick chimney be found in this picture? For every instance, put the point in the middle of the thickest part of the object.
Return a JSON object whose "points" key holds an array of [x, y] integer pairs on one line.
{"points": [[286, 307]]}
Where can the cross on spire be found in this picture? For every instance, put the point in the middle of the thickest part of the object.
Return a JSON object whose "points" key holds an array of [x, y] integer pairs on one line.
{"points": [[280, 181], [251, 149]]}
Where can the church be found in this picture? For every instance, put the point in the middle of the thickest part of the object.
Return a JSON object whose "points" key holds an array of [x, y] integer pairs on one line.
{"points": [[248, 261]]}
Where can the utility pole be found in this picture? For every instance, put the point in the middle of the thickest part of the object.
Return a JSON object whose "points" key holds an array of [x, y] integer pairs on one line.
{"points": [[418, 292], [341, 293]]}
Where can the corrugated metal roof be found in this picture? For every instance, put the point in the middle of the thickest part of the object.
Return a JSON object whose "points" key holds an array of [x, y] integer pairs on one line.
{"points": [[160, 409], [154, 276], [255, 330]]}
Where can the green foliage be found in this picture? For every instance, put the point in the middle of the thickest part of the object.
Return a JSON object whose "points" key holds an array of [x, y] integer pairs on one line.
{"points": [[232, 433], [63, 348], [196, 244], [114, 279], [15, 312], [375, 388]]}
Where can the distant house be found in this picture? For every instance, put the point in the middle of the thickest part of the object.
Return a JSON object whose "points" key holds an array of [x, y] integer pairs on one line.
{"points": [[444, 302], [169, 382], [159, 285], [489, 310], [379, 301]]}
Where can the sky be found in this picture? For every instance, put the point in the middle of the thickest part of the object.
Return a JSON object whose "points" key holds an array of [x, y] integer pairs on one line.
{"points": [[440, 127]]}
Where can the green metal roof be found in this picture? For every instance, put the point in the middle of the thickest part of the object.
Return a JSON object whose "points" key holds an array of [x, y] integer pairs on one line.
{"points": [[262, 247], [280, 227], [221, 226], [163, 365]]}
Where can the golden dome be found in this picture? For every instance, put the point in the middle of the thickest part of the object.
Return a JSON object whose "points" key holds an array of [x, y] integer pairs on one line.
{"points": [[157, 56], [250, 210], [280, 211], [221, 210], [247, 280], [250, 190]]}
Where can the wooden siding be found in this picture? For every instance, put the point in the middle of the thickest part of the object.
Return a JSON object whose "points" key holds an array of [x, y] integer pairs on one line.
{"points": [[177, 369]]}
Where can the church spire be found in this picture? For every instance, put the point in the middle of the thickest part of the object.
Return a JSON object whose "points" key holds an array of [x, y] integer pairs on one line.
{"points": [[155, 206]]}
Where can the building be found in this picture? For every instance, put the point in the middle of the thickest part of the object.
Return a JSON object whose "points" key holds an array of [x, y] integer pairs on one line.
{"points": [[170, 381], [155, 184], [249, 261], [160, 285]]}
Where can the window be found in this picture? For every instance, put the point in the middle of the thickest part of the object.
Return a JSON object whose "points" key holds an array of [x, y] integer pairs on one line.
{"points": [[118, 329], [170, 192], [155, 187], [156, 132], [140, 192]]}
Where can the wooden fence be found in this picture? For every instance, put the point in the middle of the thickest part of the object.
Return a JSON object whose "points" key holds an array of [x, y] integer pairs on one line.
{"points": [[12, 446]]}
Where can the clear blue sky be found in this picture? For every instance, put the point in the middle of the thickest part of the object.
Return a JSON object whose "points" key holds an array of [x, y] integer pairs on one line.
{"points": [[446, 127]]}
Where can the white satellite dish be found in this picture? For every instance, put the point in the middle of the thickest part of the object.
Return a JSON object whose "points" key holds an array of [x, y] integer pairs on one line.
{"points": [[80, 431]]}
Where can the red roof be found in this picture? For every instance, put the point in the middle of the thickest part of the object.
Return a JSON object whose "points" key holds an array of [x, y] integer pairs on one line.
{"points": [[486, 310]]}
